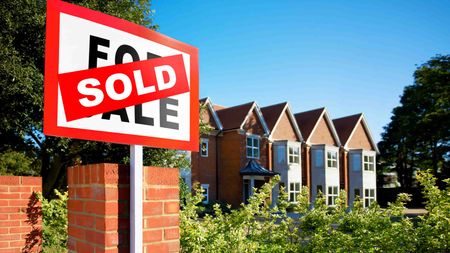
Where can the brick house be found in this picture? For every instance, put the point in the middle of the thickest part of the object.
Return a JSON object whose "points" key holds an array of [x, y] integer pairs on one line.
{"points": [[284, 148], [320, 154], [358, 158], [233, 158], [205, 163]]}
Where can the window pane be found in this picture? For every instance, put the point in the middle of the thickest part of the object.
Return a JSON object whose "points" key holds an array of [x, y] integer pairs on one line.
{"points": [[335, 190], [366, 203], [372, 193], [318, 157], [371, 159], [330, 200], [255, 152], [291, 196], [249, 141], [291, 186], [355, 160], [249, 152], [296, 151], [366, 192], [297, 186], [357, 193], [255, 142], [330, 190]]}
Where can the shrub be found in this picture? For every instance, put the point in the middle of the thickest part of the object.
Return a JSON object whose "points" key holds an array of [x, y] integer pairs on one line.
{"points": [[54, 227], [256, 227]]}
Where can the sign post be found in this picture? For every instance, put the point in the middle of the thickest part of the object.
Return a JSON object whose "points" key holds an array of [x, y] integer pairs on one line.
{"points": [[107, 79], [136, 165]]}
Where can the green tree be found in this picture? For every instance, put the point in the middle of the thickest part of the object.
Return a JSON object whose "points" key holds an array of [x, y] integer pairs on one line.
{"points": [[21, 94], [418, 135]]}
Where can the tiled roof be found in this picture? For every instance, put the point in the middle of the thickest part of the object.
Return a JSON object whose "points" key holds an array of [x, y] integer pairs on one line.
{"points": [[255, 169], [344, 126], [233, 117], [272, 113], [307, 120]]}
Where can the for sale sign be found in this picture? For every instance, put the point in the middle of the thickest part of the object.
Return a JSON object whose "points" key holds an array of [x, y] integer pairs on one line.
{"points": [[107, 79]]}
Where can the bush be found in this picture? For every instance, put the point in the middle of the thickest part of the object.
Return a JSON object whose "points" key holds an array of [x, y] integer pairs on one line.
{"points": [[256, 227], [54, 227]]}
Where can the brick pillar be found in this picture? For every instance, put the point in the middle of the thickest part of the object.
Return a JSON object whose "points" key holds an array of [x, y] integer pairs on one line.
{"points": [[98, 209], [20, 214]]}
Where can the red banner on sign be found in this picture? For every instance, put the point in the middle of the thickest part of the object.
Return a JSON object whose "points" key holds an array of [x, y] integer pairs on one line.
{"points": [[89, 92]]}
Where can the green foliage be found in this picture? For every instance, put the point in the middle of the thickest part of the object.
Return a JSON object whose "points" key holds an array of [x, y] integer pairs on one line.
{"points": [[256, 227], [418, 136], [17, 163], [54, 227]]}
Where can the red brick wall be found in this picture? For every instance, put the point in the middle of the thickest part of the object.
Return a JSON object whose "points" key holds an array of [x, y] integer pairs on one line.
{"points": [[20, 214], [204, 168], [322, 134], [98, 209]]}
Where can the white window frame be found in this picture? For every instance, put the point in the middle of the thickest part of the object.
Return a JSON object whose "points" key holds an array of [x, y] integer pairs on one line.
{"points": [[204, 141], [205, 193], [334, 161], [294, 191], [332, 195], [252, 147], [369, 165], [369, 196], [293, 155]]}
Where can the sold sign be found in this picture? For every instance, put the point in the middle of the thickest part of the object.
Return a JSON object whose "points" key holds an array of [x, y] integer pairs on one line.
{"points": [[107, 79], [89, 92]]}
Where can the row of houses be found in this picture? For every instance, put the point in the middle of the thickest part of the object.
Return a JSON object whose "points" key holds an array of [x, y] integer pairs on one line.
{"points": [[248, 145]]}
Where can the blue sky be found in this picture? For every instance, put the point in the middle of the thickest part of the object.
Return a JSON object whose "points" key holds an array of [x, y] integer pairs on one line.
{"points": [[349, 56]]}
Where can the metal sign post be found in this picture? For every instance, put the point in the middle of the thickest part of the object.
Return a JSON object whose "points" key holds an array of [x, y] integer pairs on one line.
{"points": [[136, 175]]}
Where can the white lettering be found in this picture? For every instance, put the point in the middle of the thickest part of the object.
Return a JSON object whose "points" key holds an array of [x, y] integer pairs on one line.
{"points": [[140, 84], [97, 93], [160, 77], [127, 88]]}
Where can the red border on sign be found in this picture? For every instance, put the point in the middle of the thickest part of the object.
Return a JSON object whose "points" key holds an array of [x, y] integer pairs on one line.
{"points": [[54, 8]]}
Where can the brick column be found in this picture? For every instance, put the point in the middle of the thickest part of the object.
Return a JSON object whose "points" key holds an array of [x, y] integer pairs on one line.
{"points": [[98, 209], [20, 214]]}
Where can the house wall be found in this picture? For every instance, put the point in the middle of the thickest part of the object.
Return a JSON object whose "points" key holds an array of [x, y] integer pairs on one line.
{"points": [[360, 143], [207, 117], [204, 169], [322, 134], [359, 139], [284, 129], [233, 150]]}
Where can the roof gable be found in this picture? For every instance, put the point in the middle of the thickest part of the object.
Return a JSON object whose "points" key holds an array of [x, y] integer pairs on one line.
{"points": [[235, 117], [309, 121], [211, 114], [277, 114], [355, 132]]}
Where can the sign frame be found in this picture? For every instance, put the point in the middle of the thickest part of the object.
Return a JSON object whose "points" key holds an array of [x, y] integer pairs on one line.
{"points": [[54, 8]]}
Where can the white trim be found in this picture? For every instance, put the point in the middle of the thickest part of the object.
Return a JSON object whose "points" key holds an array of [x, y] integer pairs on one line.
{"points": [[369, 134], [209, 103], [260, 117], [330, 125], [205, 193], [293, 122], [333, 195], [315, 126], [253, 137], [204, 140]]}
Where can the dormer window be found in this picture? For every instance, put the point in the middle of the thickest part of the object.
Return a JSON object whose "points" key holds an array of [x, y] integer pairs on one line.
{"points": [[294, 155], [252, 147], [204, 147], [332, 159]]}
